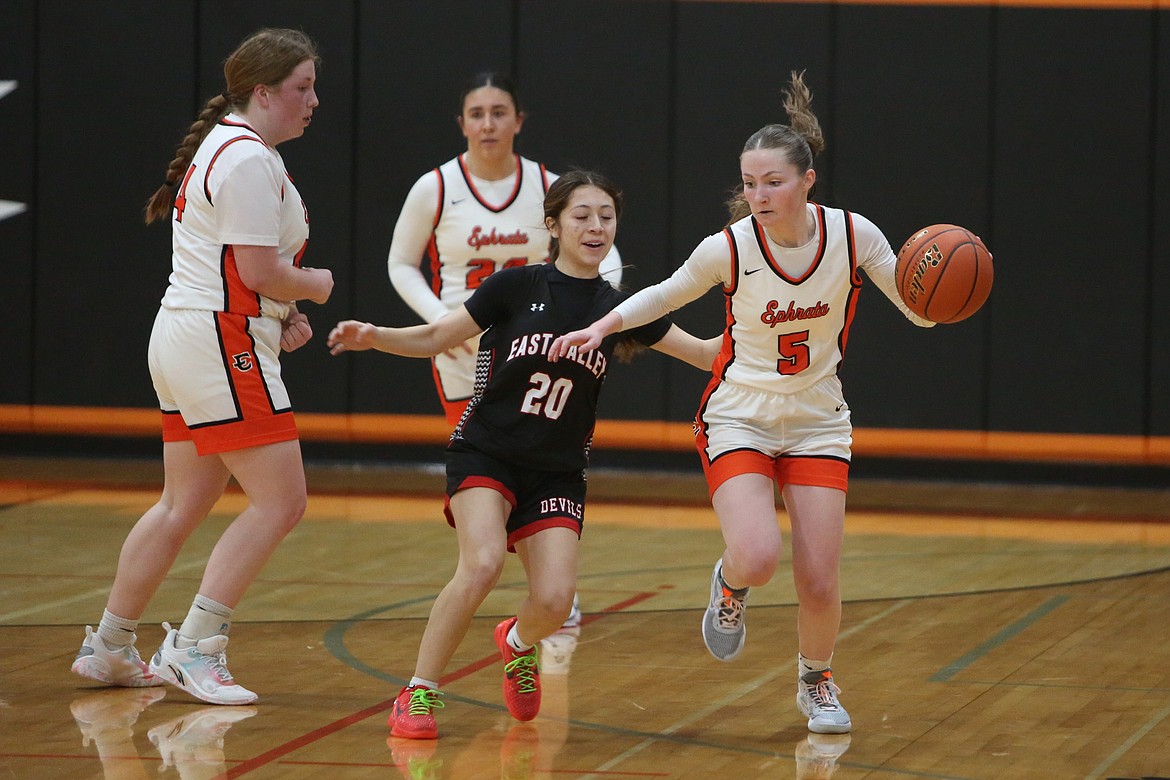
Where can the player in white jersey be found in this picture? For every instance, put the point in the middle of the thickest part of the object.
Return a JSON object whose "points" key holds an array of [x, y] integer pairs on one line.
{"points": [[470, 217], [239, 230], [774, 410]]}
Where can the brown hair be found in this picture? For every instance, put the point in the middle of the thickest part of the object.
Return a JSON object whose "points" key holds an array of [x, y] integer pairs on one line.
{"points": [[557, 198], [801, 139], [265, 57]]}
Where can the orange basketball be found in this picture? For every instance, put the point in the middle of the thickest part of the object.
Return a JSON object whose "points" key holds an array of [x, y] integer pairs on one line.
{"points": [[944, 273]]}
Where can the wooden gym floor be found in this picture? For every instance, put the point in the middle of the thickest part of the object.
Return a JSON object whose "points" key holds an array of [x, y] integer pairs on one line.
{"points": [[989, 632]]}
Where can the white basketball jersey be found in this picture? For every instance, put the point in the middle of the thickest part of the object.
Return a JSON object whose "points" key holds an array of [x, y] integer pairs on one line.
{"points": [[475, 238], [236, 191], [784, 333]]}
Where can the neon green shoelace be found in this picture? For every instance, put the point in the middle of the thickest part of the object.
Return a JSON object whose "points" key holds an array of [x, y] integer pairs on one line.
{"points": [[524, 668], [423, 700]]}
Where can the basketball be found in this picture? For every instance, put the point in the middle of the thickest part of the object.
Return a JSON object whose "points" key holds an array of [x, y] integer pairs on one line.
{"points": [[944, 273]]}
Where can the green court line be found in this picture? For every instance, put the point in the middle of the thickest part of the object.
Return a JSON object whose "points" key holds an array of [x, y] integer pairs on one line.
{"points": [[953, 668]]}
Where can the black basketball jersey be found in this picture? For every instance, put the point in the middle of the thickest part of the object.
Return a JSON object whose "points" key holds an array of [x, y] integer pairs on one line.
{"points": [[524, 409]]}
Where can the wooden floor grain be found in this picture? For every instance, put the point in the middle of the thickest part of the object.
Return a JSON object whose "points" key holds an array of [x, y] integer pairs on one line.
{"points": [[989, 632]]}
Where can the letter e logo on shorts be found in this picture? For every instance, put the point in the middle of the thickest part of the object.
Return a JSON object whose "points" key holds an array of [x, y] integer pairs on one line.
{"points": [[242, 361]]}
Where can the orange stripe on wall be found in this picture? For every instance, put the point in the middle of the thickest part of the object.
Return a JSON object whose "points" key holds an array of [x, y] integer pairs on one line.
{"points": [[647, 435]]}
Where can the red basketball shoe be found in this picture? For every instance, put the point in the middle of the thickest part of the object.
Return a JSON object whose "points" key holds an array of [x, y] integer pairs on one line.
{"points": [[412, 715], [521, 676]]}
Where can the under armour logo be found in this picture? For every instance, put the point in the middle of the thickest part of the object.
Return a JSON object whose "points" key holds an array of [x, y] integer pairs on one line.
{"points": [[537, 307], [242, 361]]}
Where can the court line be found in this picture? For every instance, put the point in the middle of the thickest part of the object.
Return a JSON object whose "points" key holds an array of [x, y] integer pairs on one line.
{"points": [[334, 636], [749, 687], [1124, 747], [953, 668], [7, 616]]}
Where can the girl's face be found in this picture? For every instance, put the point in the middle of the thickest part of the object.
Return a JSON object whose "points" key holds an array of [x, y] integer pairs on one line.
{"points": [[489, 122], [291, 103], [585, 230], [776, 191]]}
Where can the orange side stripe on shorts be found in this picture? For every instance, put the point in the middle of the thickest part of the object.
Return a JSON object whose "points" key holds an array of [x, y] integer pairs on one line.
{"points": [[244, 374]]}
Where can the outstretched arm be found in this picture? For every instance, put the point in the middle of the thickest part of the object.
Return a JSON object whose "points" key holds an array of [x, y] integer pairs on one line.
{"points": [[586, 338], [415, 341], [700, 353]]}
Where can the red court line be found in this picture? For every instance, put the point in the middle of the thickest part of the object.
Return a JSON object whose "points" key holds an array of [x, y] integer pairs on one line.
{"points": [[244, 767]]}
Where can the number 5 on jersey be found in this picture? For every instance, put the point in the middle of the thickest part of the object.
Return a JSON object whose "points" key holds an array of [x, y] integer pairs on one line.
{"points": [[794, 355]]}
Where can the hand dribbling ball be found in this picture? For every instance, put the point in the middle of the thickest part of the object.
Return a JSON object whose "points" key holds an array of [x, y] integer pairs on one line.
{"points": [[944, 273]]}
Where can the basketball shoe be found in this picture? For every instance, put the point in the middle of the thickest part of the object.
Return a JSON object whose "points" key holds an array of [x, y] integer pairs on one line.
{"points": [[200, 670], [415, 758], [816, 756], [412, 715], [556, 650], [816, 697], [194, 740], [123, 667], [521, 676], [724, 629]]}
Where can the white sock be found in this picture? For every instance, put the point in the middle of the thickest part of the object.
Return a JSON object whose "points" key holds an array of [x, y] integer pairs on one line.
{"points": [[116, 632], [515, 642], [206, 618], [417, 681]]}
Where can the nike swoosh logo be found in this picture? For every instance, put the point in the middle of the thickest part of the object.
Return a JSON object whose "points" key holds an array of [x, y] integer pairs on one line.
{"points": [[455, 201], [749, 273]]}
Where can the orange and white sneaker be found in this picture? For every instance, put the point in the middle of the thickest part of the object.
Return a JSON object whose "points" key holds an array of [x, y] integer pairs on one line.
{"points": [[412, 716], [521, 676], [122, 667]]}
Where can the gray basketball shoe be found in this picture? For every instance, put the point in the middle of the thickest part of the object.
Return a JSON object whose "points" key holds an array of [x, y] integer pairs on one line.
{"points": [[723, 622]]}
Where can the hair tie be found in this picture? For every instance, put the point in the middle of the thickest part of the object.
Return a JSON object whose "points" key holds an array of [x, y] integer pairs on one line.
{"points": [[170, 183], [226, 96]]}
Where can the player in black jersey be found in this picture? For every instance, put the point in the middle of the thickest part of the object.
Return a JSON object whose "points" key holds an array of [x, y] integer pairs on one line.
{"points": [[516, 460]]}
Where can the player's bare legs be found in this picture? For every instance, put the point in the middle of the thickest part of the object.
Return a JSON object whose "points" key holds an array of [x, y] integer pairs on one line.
{"points": [[746, 508], [481, 515], [550, 559], [818, 526], [191, 486], [273, 478]]}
